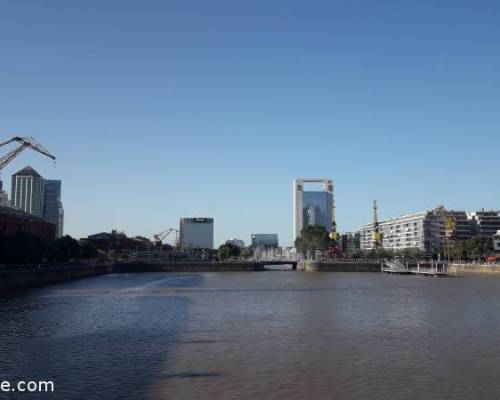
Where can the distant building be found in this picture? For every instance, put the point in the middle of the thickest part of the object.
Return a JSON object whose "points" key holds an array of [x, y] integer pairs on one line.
{"points": [[312, 207], [13, 220], [4, 198], [496, 242], [350, 241], [114, 240], [196, 233], [53, 211], [27, 193], [463, 227], [235, 242], [264, 240], [422, 231], [485, 223], [426, 230]]}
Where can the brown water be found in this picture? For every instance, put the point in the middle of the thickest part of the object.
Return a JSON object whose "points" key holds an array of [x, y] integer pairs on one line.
{"points": [[268, 335]]}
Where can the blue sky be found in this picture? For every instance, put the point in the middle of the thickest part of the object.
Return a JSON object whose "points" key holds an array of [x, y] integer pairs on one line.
{"points": [[158, 110]]}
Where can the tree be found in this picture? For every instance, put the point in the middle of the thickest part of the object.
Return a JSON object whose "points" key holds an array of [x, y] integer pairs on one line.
{"points": [[88, 250], [228, 250], [246, 252], [312, 238]]}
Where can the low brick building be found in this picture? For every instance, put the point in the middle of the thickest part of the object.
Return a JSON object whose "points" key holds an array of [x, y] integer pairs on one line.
{"points": [[13, 220]]}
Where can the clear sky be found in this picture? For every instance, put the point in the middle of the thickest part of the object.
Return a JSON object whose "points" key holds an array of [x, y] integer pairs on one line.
{"points": [[158, 110]]}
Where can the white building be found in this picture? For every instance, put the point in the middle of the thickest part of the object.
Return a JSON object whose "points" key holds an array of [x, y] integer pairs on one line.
{"points": [[196, 233], [312, 207]]}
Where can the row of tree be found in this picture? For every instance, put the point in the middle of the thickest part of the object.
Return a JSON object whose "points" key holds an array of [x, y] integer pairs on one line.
{"points": [[230, 251], [26, 248]]}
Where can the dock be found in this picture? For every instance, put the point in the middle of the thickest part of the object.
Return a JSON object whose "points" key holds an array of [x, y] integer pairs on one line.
{"points": [[435, 269]]}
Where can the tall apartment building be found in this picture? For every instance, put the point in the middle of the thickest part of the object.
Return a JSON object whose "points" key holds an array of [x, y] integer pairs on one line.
{"points": [[53, 211], [426, 230], [485, 223], [196, 233], [28, 190], [312, 207]]}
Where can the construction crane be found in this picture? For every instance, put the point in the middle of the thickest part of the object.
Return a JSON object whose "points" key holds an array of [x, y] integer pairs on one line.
{"points": [[449, 224], [160, 237], [24, 143], [377, 235]]}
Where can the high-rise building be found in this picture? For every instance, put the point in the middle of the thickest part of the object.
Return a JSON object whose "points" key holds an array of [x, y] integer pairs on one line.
{"points": [[28, 191], [312, 207], [196, 233], [264, 239], [53, 211]]}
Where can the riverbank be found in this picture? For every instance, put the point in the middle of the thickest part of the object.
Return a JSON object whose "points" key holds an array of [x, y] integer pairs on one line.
{"points": [[344, 266], [474, 268], [31, 277]]}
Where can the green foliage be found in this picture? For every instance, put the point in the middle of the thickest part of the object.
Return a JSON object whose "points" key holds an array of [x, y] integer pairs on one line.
{"points": [[476, 248], [88, 250], [25, 248], [228, 250], [247, 252], [312, 238]]}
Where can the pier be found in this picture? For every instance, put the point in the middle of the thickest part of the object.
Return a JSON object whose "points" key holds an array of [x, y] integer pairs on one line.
{"points": [[434, 268]]}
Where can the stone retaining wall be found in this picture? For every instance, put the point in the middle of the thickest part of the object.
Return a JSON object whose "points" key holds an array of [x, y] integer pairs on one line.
{"points": [[346, 266]]}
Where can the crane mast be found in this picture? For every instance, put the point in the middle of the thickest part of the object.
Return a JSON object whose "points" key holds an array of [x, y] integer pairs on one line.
{"points": [[24, 143], [377, 235], [160, 237]]}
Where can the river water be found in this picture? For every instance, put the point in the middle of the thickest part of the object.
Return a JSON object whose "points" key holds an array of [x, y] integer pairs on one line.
{"points": [[262, 335]]}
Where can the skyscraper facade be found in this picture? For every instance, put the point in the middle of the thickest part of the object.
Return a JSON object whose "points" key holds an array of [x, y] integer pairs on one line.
{"points": [[312, 207], [27, 193], [53, 211]]}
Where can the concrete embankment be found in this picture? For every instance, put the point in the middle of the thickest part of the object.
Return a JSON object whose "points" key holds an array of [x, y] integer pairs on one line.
{"points": [[15, 279], [189, 267], [474, 268], [24, 278], [346, 266]]}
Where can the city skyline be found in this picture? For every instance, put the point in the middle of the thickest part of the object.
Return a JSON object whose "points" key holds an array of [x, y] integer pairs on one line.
{"points": [[214, 113]]}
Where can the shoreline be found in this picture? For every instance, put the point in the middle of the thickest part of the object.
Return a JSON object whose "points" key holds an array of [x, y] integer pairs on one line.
{"points": [[21, 278]]}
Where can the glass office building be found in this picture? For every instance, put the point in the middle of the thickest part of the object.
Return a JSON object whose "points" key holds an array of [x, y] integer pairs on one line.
{"points": [[27, 193], [312, 207], [317, 209], [53, 211]]}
